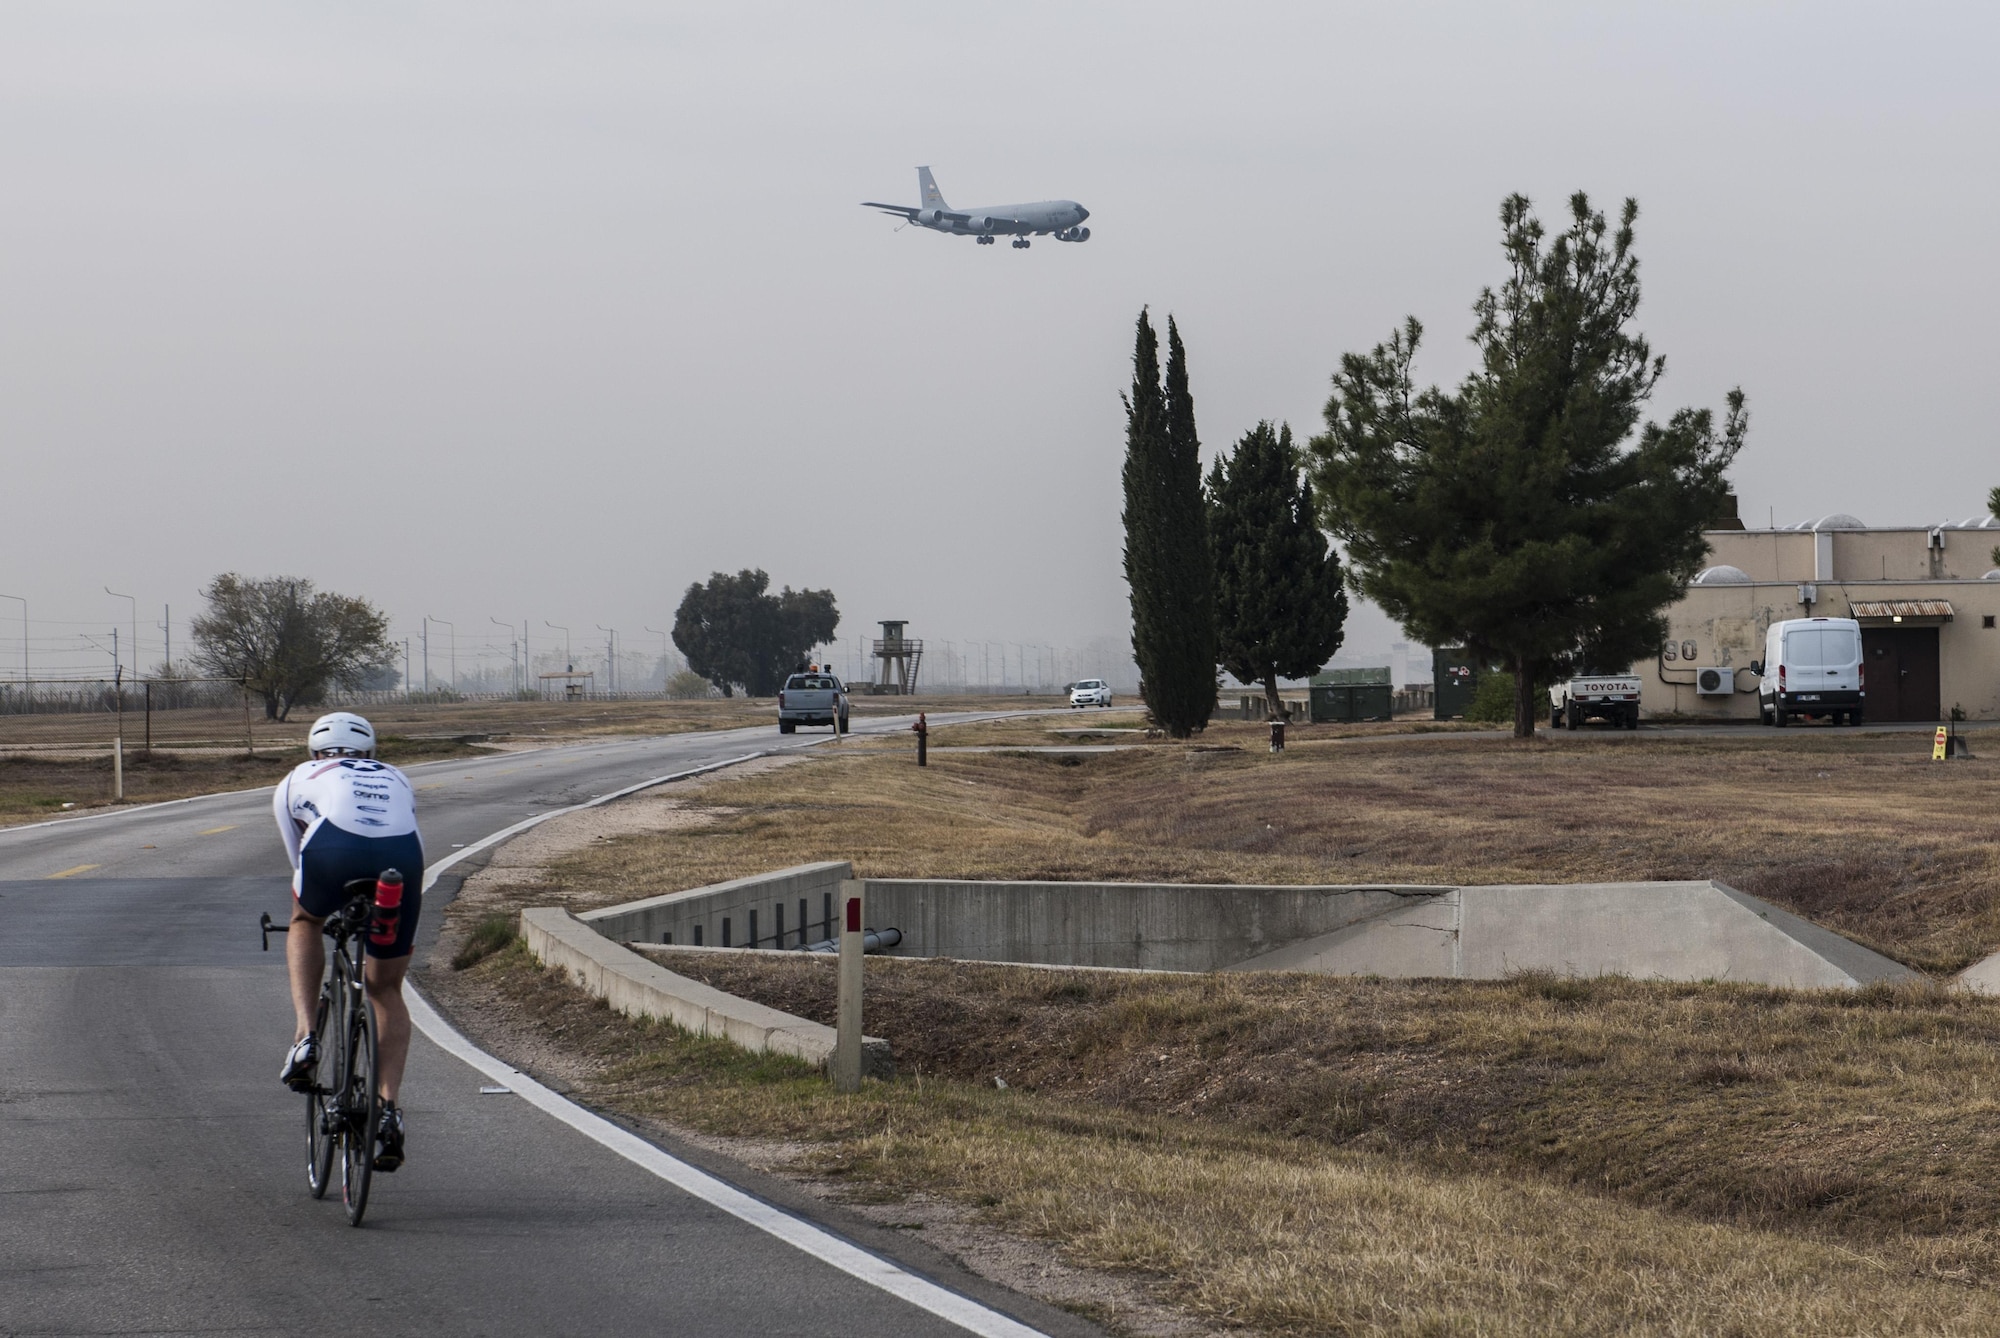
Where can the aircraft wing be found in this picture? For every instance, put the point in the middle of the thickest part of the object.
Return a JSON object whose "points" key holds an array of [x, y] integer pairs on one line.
{"points": [[911, 211]]}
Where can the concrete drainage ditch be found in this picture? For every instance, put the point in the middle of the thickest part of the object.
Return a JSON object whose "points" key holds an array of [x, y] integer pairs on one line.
{"points": [[1685, 931]]}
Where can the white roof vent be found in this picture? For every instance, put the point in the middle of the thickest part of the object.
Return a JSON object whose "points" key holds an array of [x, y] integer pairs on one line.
{"points": [[1723, 575], [1839, 520]]}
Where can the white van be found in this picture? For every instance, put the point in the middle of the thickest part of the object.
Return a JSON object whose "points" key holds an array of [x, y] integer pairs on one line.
{"points": [[1811, 667]]}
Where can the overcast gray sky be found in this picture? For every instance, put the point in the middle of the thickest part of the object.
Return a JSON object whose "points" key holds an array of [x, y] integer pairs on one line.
{"points": [[543, 311]]}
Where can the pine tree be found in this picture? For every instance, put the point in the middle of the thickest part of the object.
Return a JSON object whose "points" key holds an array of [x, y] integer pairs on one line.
{"points": [[1168, 562], [1528, 515], [1279, 599]]}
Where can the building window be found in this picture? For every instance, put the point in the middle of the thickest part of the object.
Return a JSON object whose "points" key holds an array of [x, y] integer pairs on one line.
{"points": [[1987, 621]]}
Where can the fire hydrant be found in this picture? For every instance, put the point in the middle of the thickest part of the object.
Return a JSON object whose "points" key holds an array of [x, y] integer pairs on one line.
{"points": [[923, 733], [1277, 733]]}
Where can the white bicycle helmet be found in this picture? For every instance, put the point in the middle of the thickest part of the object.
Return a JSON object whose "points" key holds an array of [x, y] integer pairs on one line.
{"points": [[343, 732]]}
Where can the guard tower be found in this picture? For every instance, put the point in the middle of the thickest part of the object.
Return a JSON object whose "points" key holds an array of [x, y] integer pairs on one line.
{"points": [[897, 658], [567, 685]]}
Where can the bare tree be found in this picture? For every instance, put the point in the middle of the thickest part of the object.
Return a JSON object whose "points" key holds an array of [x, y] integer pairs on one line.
{"points": [[286, 641]]}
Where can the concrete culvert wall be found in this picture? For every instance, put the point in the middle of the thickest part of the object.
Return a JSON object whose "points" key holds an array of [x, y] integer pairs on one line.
{"points": [[1695, 930]]}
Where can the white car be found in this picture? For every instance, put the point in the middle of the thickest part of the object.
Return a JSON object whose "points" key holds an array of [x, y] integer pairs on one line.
{"points": [[1090, 692]]}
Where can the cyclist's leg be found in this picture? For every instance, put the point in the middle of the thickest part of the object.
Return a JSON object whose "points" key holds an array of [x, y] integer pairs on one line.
{"points": [[392, 1020], [305, 955], [389, 962]]}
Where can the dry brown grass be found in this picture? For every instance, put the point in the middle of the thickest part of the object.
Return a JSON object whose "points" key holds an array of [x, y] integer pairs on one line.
{"points": [[1861, 833], [1315, 1155], [1866, 1116], [1291, 1229]]}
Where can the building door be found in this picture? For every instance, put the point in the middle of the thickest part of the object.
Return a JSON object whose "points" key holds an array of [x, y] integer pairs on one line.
{"points": [[1902, 672]]}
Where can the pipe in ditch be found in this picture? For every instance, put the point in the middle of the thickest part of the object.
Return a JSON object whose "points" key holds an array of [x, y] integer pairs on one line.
{"points": [[872, 940]]}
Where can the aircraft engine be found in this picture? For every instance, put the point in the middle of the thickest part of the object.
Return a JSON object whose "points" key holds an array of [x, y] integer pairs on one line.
{"points": [[1083, 234], [981, 225], [930, 216]]}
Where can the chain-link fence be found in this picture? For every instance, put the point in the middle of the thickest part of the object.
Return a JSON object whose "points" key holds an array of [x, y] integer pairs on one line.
{"points": [[70, 715], [97, 716]]}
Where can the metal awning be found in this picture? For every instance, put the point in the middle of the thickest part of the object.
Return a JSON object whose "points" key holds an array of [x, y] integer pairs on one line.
{"points": [[1901, 610]]}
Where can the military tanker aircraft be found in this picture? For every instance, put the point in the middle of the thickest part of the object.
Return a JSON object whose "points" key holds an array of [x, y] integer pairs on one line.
{"points": [[1061, 219]]}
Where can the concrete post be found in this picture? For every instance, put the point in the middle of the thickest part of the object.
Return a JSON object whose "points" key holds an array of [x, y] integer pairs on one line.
{"points": [[847, 1043]]}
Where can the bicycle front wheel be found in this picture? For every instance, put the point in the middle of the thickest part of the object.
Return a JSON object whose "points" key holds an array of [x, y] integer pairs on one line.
{"points": [[322, 1102], [362, 1106]]}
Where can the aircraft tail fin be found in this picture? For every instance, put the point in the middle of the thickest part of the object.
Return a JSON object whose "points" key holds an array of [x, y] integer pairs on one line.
{"points": [[933, 198]]}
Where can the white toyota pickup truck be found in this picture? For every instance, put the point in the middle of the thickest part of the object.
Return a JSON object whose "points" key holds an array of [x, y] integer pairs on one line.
{"points": [[812, 699], [1612, 697]]}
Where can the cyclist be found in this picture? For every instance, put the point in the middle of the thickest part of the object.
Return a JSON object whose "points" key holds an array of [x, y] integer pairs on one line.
{"points": [[343, 815]]}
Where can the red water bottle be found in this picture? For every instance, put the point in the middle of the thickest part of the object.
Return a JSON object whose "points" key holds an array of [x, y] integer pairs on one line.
{"points": [[388, 908]]}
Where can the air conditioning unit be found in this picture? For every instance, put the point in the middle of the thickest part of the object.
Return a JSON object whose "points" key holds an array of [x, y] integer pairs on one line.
{"points": [[1714, 682]]}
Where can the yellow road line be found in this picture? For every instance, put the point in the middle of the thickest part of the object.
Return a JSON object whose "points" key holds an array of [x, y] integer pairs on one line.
{"points": [[81, 868], [213, 830]]}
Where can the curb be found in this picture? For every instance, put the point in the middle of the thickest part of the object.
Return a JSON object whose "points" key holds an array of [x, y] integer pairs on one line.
{"points": [[640, 988]]}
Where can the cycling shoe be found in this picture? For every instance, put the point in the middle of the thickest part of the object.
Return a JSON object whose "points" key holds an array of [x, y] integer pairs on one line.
{"points": [[389, 1154], [301, 1065]]}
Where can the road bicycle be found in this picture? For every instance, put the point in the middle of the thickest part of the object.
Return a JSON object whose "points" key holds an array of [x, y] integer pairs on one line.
{"points": [[344, 1107]]}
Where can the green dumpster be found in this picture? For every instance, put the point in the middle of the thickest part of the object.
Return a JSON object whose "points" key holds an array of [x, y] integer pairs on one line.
{"points": [[1341, 695]]}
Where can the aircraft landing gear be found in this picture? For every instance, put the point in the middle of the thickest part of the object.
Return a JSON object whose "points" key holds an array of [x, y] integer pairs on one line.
{"points": [[1020, 243], [984, 241]]}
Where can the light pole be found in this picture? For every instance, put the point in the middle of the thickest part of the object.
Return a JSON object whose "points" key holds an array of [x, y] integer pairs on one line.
{"points": [[610, 656], [24, 639], [663, 654], [516, 647], [569, 660], [135, 628], [428, 620]]}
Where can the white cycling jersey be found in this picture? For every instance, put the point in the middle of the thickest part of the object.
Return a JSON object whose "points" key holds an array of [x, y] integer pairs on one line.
{"points": [[357, 795]]}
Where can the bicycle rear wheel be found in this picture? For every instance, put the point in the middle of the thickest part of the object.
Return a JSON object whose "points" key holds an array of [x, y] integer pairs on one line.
{"points": [[362, 1107], [322, 1126]]}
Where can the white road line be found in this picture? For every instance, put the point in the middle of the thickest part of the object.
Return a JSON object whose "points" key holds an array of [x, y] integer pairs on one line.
{"points": [[821, 1244]]}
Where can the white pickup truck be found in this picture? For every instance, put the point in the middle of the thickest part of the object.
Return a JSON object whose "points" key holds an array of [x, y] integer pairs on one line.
{"points": [[812, 699], [1612, 697]]}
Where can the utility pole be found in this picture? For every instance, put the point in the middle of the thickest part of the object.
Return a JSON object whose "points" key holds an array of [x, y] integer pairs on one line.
{"points": [[24, 640], [406, 668], [167, 611], [135, 627], [569, 659], [517, 649], [428, 620], [610, 656]]}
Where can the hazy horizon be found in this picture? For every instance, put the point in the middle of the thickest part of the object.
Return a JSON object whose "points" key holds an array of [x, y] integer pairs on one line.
{"points": [[536, 312]]}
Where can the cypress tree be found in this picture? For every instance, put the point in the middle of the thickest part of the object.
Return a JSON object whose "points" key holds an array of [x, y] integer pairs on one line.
{"points": [[1168, 563], [1279, 601]]}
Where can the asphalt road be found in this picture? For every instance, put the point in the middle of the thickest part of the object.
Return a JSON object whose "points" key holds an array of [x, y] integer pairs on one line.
{"points": [[152, 1167]]}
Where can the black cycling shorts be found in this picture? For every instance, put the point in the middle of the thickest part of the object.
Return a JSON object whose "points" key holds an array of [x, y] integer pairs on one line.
{"points": [[332, 858]]}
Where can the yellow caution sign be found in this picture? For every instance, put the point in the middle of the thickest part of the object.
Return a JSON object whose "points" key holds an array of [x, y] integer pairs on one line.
{"points": [[1937, 749]]}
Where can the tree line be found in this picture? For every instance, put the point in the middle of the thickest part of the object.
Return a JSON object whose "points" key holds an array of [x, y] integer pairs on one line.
{"points": [[289, 642], [1526, 514]]}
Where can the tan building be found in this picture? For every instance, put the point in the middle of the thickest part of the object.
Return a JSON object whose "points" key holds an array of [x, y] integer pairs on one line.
{"points": [[1927, 600]]}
